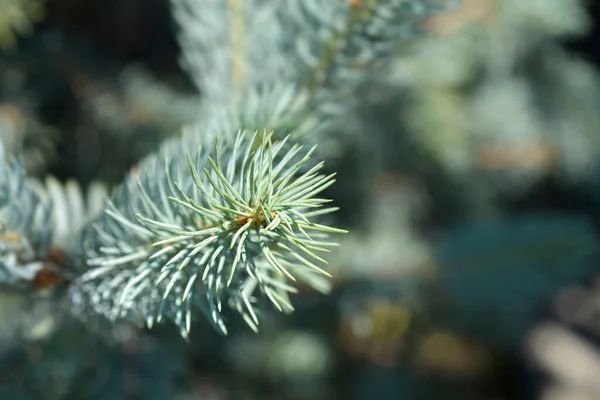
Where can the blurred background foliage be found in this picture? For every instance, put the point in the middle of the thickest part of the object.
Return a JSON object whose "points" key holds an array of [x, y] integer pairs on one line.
{"points": [[468, 178]]}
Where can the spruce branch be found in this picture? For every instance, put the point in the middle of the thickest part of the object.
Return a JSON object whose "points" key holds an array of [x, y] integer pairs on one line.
{"points": [[39, 225], [221, 226], [247, 56], [228, 46], [333, 42], [25, 225]]}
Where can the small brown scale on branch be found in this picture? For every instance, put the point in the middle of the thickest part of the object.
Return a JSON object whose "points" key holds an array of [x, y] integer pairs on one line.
{"points": [[259, 221], [47, 277]]}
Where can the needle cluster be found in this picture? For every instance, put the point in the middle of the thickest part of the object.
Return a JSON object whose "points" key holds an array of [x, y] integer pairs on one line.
{"points": [[228, 226]]}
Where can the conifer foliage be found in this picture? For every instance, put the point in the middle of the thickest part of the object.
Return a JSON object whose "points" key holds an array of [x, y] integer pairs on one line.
{"points": [[229, 215], [218, 226]]}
